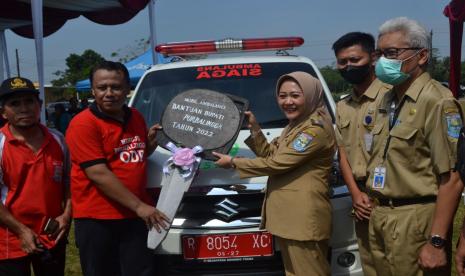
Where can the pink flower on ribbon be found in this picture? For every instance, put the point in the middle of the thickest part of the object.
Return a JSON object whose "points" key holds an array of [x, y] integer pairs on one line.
{"points": [[184, 157]]}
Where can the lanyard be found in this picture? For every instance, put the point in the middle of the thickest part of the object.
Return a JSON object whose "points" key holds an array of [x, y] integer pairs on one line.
{"points": [[392, 123]]}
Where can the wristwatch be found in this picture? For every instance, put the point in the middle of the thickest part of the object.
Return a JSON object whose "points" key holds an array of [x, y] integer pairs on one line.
{"points": [[437, 241]]}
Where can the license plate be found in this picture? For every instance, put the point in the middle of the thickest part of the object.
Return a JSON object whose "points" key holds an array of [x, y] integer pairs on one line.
{"points": [[227, 246]]}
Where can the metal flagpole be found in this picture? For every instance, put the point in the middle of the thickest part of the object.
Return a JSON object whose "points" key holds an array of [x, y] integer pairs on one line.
{"points": [[37, 18], [5, 54], [2, 50], [153, 36]]}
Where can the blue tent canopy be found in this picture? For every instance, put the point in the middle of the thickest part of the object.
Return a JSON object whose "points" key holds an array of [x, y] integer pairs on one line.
{"points": [[136, 68]]}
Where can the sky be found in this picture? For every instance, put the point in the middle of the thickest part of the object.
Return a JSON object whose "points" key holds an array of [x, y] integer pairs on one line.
{"points": [[320, 23]]}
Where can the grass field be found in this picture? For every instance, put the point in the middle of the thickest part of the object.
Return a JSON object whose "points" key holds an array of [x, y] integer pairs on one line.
{"points": [[73, 268]]}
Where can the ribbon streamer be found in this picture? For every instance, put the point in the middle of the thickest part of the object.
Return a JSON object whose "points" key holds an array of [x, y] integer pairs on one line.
{"points": [[183, 158]]}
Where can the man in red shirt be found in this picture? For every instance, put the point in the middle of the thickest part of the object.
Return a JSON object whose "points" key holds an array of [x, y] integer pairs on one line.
{"points": [[109, 145], [35, 209]]}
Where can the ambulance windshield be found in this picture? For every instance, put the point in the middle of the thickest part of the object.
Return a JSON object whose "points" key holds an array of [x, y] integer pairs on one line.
{"points": [[253, 81]]}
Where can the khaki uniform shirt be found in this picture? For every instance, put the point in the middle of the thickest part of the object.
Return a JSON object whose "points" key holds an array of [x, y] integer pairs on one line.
{"points": [[297, 204], [355, 118], [423, 140]]}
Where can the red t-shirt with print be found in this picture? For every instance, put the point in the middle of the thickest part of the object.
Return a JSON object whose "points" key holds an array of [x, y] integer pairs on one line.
{"points": [[95, 138]]}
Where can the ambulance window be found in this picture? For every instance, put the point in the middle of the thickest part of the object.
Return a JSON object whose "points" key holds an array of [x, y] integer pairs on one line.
{"points": [[255, 82]]}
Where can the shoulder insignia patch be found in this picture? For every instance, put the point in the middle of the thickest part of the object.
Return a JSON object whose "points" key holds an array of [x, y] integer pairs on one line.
{"points": [[454, 124], [302, 141]]}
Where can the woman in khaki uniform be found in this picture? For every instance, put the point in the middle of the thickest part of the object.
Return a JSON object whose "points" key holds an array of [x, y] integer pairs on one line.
{"points": [[297, 208]]}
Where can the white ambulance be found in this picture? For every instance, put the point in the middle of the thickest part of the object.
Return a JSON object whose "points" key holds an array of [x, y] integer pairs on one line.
{"points": [[220, 212]]}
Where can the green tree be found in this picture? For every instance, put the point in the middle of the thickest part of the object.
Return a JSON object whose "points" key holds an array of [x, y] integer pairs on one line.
{"points": [[336, 84], [128, 53], [79, 67], [462, 73], [439, 67]]}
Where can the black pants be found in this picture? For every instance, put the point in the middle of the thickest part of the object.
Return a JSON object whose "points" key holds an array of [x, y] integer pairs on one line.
{"points": [[113, 247], [49, 263]]}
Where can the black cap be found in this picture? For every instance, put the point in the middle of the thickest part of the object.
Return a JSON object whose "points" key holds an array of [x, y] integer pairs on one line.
{"points": [[16, 85]]}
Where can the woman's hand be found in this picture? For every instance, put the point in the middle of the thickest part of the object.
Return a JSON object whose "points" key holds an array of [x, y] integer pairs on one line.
{"points": [[224, 161], [252, 122]]}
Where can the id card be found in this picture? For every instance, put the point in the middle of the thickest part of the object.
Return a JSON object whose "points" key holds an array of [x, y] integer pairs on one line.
{"points": [[378, 178], [368, 141]]}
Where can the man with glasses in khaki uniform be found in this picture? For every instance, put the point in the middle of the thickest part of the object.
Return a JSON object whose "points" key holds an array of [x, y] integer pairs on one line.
{"points": [[355, 117], [411, 169]]}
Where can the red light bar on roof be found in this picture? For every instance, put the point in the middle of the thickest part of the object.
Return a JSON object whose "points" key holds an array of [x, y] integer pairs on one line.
{"points": [[228, 45]]}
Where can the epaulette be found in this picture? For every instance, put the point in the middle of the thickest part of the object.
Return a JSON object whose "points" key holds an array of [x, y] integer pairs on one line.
{"points": [[345, 96], [385, 85], [316, 121], [309, 131]]}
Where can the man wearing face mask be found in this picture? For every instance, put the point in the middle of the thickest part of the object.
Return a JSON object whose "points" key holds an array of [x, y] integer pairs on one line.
{"points": [[411, 169], [355, 116]]}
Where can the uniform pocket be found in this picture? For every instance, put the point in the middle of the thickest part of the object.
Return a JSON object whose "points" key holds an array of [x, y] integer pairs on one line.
{"points": [[280, 203], [377, 129], [344, 129], [345, 123], [403, 132], [375, 132], [402, 145], [423, 215]]}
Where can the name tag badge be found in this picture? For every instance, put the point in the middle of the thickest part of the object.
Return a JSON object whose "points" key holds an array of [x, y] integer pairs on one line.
{"points": [[379, 177], [368, 141]]}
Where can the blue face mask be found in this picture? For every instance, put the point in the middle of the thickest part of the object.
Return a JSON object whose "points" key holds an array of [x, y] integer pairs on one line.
{"points": [[390, 71]]}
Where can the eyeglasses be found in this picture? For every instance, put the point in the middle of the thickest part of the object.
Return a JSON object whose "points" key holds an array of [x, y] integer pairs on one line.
{"points": [[393, 52]]}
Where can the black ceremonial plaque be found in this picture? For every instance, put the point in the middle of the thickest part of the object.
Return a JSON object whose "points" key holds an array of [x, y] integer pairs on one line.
{"points": [[203, 117]]}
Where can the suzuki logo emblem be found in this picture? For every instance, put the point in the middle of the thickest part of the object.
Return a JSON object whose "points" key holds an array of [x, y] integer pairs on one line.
{"points": [[226, 209]]}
